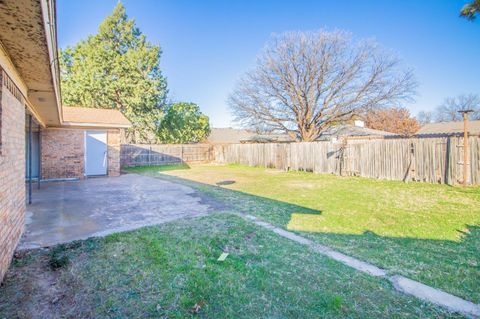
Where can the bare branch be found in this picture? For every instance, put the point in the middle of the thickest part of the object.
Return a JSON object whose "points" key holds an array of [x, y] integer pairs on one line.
{"points": [[304, 82], [448, 110]]}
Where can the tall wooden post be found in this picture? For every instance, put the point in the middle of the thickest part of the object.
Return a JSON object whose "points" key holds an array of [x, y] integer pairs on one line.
{"points": [[465, 145]]}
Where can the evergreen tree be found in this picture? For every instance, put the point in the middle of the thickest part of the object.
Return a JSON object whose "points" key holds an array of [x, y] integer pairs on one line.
{"points": [[119, 69], [471, 10]]}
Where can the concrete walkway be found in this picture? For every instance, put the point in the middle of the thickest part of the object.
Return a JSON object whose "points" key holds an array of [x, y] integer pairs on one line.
{"points": [[66, 211]]}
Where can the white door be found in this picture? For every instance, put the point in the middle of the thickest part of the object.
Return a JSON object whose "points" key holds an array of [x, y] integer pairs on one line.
{"points": [[95, 153]]}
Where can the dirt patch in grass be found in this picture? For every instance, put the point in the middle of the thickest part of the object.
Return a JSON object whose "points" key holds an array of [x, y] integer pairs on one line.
{"points": [[37, 287]]}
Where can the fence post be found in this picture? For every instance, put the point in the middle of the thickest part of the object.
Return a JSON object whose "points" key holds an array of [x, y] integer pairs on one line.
{"points": [[149, 155], [408, 174], [289, 156], [341, 156], [448, 161]]}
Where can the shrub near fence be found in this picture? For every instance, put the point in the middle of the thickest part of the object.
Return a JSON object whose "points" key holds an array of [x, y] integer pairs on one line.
{"points": [[434, 160], [164, 154]]}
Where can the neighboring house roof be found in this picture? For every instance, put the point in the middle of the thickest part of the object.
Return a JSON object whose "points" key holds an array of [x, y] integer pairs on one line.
{"points": [[443, 128], [232, 136], [351, 130], [89, 116], [228, 135], [269, 138]]}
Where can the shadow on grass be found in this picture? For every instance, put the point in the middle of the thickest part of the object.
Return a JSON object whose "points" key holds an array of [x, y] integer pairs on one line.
{"points": [[453, 266]]}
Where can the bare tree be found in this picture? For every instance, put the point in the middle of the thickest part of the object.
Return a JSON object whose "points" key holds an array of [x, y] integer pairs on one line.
{"points": [[448, 110], [425, 117], [305, 82]]}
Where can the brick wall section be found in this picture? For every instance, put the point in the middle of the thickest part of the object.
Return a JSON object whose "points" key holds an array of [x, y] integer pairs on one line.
{"points": [[63, 151], [114, 142], [12, 176]]}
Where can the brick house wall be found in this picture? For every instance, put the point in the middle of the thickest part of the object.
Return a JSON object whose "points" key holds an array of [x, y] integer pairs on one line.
{"points": [[114, 142], [12, 174], [63, 151]]}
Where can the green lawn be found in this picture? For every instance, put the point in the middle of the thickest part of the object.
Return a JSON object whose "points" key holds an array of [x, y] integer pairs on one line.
{"points": [[171, 271], [426, 232]]}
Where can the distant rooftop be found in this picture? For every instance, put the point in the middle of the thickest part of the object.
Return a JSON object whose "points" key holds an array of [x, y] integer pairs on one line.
{"points": [[232, 135], [449, 128], [229, 135], [343, 130]]}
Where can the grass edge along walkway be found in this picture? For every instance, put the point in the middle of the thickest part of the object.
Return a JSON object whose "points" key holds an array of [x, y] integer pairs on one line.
{"points": [[426, 232], [400, 283]]}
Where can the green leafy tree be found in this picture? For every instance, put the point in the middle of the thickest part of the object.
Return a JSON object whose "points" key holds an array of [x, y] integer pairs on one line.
{"points": [[183, 123], [471, 10], [119, 69]]}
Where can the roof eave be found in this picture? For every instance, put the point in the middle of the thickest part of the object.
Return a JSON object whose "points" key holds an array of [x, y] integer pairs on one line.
{"points": [[96, 125], [49, 12]]}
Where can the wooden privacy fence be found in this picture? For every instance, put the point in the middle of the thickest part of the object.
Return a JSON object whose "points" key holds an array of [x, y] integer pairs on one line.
{"points": [[164, 154], [434, 160]]}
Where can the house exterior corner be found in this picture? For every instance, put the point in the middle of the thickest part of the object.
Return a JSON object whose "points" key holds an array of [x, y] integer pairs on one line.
{"points": [[39, 137], [12, 173]]}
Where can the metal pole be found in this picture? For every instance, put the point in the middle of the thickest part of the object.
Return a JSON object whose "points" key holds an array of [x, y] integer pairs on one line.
{"points": [[29, 159], [39, 156], [465, 148]]}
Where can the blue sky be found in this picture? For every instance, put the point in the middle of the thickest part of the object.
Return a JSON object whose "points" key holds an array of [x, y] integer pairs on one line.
{"points": [[208, 44]]}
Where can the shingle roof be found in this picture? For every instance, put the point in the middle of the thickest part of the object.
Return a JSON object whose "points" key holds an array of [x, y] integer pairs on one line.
{"points": [[449, 128], [270, 138], [88, 115], [229, 135], [232, 135], [352, 130]]}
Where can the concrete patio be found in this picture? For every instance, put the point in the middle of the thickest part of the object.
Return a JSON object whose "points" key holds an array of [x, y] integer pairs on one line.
{"points": [[64, 211]]}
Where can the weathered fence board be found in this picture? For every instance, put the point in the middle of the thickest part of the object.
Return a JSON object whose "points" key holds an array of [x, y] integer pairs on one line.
{"points": [[164, 154], [433, 160]]}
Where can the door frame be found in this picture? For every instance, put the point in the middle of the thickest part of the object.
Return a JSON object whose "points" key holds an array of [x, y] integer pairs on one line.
{"points": [[85, 151]]}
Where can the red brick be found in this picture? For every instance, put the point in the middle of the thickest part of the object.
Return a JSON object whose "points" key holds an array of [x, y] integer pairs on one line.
{"points": [[63, 151], [12, 175]]}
